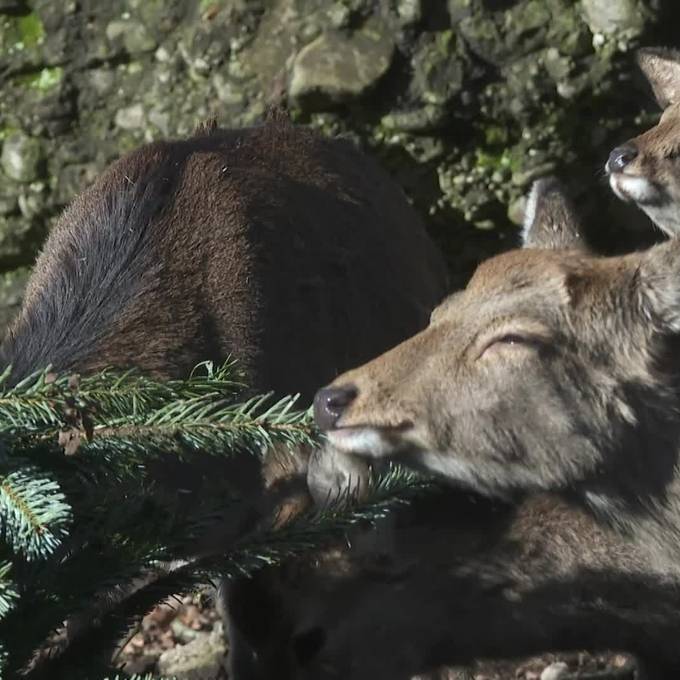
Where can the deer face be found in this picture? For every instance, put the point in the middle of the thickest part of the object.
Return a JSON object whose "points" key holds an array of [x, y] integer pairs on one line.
{"points": [[541, 374], [646, 170]]}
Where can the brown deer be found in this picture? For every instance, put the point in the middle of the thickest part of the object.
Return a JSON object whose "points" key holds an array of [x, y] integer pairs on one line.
{"points": [[552, 370], [468, 579], [465, 577], [646, 170], [295, 254]]}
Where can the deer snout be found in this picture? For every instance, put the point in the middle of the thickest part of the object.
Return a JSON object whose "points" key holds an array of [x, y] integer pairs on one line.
{"points": [[331, 402], [620, 157]]}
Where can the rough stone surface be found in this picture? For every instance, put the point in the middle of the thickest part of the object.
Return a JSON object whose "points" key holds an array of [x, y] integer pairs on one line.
{"points": [[464, 101], [11, 292], [612, 17], [338, 68], [200, 659], [21, 156], [555, 671]]}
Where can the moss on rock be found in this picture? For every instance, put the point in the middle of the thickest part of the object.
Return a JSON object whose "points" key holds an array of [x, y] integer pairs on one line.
{"points": [[464, 101]]}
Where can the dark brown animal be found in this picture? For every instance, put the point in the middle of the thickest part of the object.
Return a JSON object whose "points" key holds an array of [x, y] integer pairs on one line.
{"points": [[295, 254], [469, 579], [646, 170]]}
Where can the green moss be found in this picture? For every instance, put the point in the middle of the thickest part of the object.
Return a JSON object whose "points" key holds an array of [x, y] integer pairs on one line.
{"points": [[495, 135], [49, 78], [6, 131], [491, 160], [31, 30], [20, 33], [44, 80]]}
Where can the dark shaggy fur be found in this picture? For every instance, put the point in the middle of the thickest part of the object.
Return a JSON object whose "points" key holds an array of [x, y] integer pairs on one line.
{"points": [[294, 253]]}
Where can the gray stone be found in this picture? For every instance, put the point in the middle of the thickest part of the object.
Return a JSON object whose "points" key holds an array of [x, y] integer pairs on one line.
{"points": [[115, 30], [337, 68], [11, 5], [8, 200], [14, 233], [21, 157], [12, 285], [161, 120], [131, 118], [228, 92], [200, 659], [102, 80], [137, 39], [32, 201], [612, 17], [555, 671], [409, 11], [437, 70], [134, 35]]}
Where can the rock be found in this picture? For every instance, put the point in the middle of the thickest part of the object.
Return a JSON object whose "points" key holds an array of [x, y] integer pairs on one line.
{"points": [[14, 236], [11, 6], [437, 70], [228, 92], [615, 17], [555, 671], [200, 659], [137, 39], [131, 117], [102, 80], [21, 157], [32, 202], [133, 35], [12, 285], [409, 11], [476, 96], [337, 68], [425, 118]]}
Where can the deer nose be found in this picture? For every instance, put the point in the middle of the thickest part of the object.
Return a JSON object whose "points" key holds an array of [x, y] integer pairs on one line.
{"points": [[620, 157], [330, 402]]}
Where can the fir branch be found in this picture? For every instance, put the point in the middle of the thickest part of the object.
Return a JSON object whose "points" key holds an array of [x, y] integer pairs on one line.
{"points": [[216, 427], [43, 399], [34, 513], [262, 548], [9, 594]]}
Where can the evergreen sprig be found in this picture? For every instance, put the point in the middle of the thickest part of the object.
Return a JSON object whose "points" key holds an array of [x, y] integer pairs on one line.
{"points": [[91, 535], [34, 513]]}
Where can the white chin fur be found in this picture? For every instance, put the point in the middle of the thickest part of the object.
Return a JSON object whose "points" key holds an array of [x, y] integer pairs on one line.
{"points": [[635, 189], [363, 441]]}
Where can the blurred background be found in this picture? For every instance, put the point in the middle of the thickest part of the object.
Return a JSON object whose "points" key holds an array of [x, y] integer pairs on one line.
{"points": [[464, 101]]}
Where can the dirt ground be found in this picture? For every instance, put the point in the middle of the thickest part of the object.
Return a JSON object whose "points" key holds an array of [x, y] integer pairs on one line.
{"points": [[168, 627]]}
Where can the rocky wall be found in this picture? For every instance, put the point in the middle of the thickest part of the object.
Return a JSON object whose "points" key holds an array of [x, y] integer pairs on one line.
{"points": [[465, 101]]}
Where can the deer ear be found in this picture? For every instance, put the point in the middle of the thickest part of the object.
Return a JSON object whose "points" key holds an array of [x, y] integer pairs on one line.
{"points": [[661, 67], [658, 285], [550, 220]]}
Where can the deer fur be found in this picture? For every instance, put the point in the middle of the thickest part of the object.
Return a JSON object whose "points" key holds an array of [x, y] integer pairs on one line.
{"points": [[645, 170]]}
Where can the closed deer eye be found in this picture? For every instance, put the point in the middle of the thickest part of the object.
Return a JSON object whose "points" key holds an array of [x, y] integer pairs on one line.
{"points": [[512, 340]]}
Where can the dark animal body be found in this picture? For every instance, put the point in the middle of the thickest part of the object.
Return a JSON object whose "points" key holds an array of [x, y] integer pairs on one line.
{"points": [[468, 579], [461, 578], [295, 254]]}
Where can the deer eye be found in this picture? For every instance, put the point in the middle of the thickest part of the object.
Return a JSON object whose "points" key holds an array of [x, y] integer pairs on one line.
{"points": [[510, 340]]}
